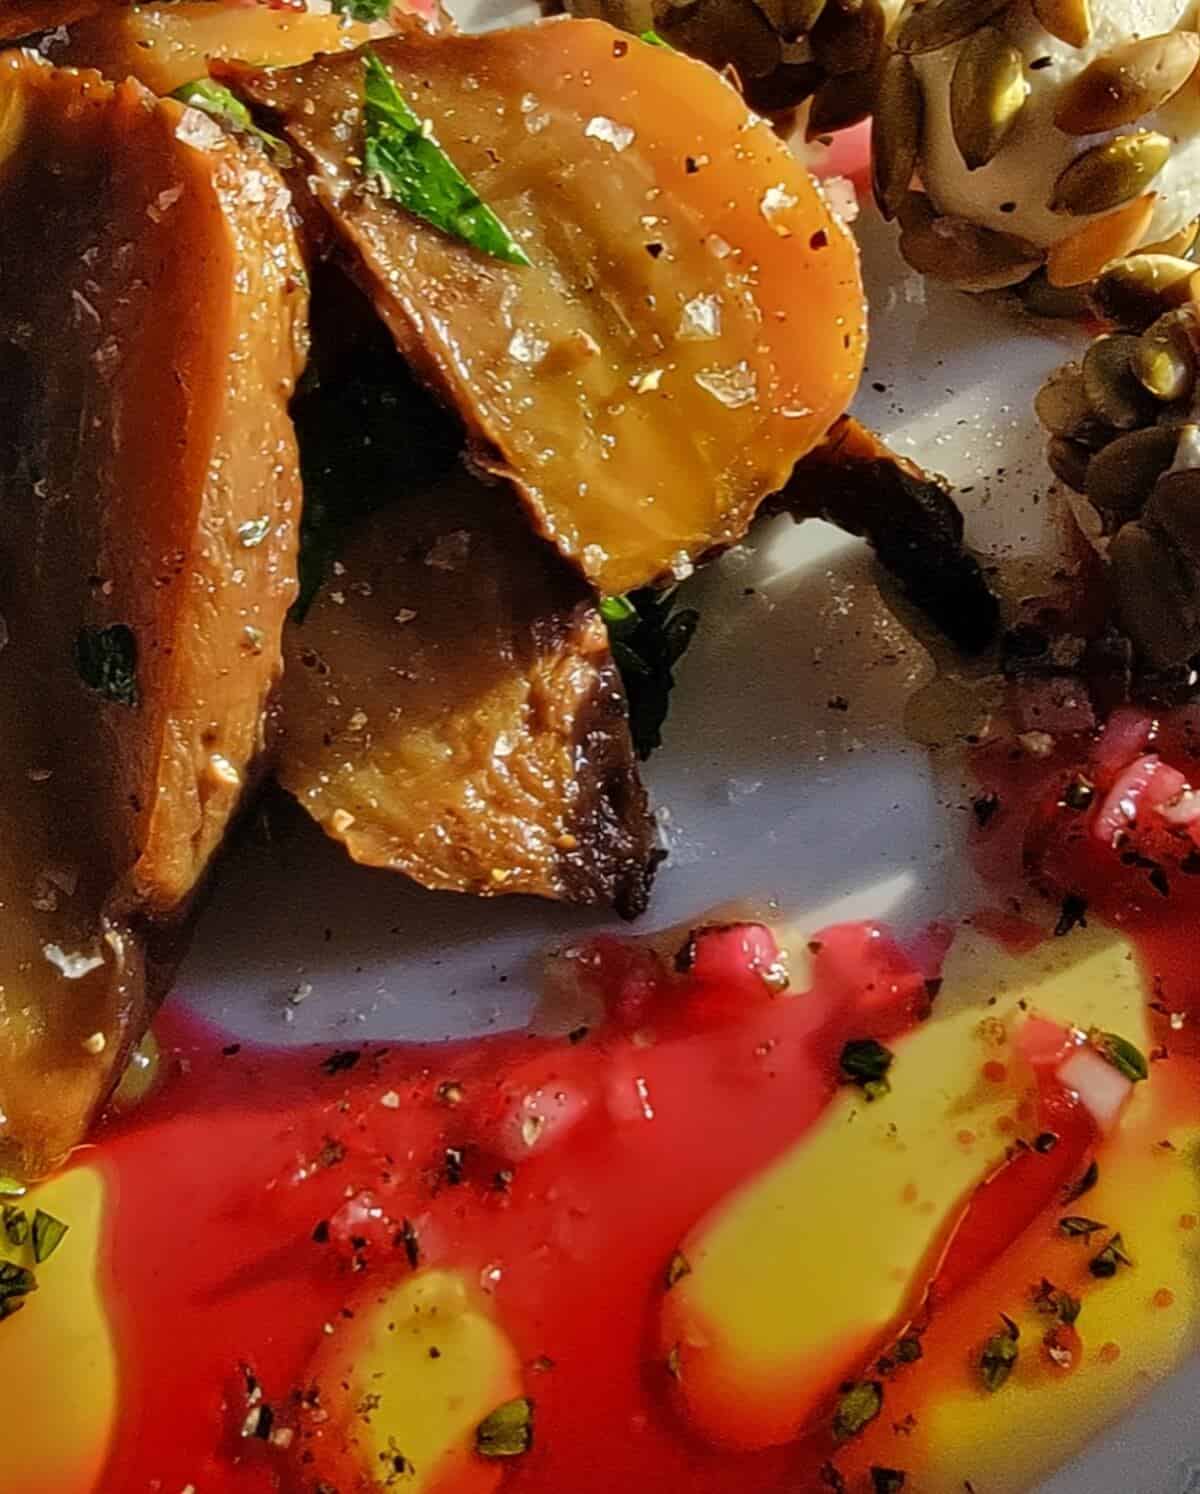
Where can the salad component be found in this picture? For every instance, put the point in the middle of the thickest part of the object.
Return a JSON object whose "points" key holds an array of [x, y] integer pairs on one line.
{"points": [[166, 46], [451, 709], [1123, 435], [911, 522], [686, 276], [1073, 130], [154, 303]]}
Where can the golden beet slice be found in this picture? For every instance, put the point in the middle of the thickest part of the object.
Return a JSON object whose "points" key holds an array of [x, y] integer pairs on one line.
{"points": [[452, 711], [692, 321], [165, 46], [152, 324]]}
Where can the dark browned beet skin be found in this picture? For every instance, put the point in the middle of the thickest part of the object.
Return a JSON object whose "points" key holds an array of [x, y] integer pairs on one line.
{"points": [[152, 324], [692, 320], [911, 522], [452, 711]]}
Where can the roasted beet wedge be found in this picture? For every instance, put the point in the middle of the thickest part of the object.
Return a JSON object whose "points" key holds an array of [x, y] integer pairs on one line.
{"points": [[152, 324], [167, 45], [692, 321], [452, 711]]}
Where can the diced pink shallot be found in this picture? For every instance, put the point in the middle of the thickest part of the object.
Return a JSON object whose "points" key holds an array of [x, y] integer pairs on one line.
{"points": [[1147, 783], [1044, 1044], [737, 955], [1100, 1086]]}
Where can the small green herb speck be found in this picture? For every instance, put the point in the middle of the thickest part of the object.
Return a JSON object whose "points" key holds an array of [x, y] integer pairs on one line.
{"points": [[866, 1062], [1076, 1225], [11, 1188], [858, 1405], [507, 1432], [1121, 1053], [1113, 1255], [648, 635], [999, 1355], [652, 39], [48, 1235], [16, 1225], [215, 100], [363, 10]]}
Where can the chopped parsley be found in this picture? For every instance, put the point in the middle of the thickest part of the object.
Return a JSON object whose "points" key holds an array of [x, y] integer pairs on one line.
{"points": [[363, 10], [215, 100], [648, 635], [866, 1063], [507, 1432], [999, 1355], [106, 659], [16, 1225], [1075, 1225], [1106, 1263], [887, 1480], [859, 1404], [405, 161], [1083, 1184], [652, 39], [48, 1235], [1121, 1053]]}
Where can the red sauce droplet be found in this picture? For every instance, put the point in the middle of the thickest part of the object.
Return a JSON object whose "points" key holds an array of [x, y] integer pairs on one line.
{"points": [[1164, 1297], [1109, 1353], [994, 1071]]}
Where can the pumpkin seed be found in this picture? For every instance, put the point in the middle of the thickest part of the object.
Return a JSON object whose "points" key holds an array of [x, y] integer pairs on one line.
{"points": [[927, 25], [1155, 603], [1040, 298], [1179, 244], [1069, 462], [1133, 79], [1061, 404], [1121, 477], [1174, 509], [963, 254], [1069, 20], [1112, 391], [848, 36], [1110, 173], [987, 92], [1136, 291], [1082, 255], [1164, 361], [896, 133], [842, 102]]}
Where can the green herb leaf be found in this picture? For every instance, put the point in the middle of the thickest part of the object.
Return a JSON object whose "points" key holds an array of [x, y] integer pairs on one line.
{"points": [[998, 1355], [106, 659], [1082, 1185], [648, 635], [1121, 1053], [866, 1063], [678, 1268], [363, 10], [1075, 1225], [1049, 1299], [507, 1432], [1113, 1255], [908, 1349], [16, 1281], [48, 1235], [401, 156], [858, 1405], [11, 1187], [215, 100], [16, 1224], [887, 1480], [652, 39]]}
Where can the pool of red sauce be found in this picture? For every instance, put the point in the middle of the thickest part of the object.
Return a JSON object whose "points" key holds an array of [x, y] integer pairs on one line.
{"points": [[239, 1227]]}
